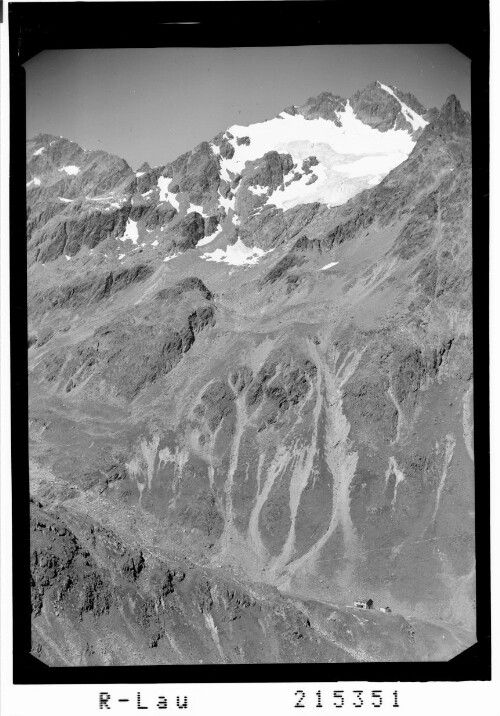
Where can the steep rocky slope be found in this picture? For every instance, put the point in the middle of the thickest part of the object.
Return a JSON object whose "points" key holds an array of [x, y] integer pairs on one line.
{"points": [[262, 386], [98, 601]]}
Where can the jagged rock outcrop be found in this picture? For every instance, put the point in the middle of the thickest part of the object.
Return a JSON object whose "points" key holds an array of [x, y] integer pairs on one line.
{"points": [[382, 110], [324, 106]]}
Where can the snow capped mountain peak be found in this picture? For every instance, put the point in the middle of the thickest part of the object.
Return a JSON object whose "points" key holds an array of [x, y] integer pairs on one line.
{"points": [[416, 120], [384, 107], [350, 153], [323, 152]]}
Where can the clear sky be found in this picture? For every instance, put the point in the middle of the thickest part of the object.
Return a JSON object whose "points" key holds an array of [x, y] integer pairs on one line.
{"points": [[154, 104]]}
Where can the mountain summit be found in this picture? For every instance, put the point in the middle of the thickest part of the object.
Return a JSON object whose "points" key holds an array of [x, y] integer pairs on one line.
{"points": [[326, 151], [251, 391]]}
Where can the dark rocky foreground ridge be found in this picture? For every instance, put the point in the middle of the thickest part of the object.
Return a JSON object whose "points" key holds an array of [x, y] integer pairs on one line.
{"points": [[226, 456]]}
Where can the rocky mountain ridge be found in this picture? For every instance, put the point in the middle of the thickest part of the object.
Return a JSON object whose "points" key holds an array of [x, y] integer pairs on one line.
{"points": [[272, 385], [81, 200]]}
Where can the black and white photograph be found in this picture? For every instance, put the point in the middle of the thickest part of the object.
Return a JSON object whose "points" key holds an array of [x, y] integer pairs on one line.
{"points": [[251, 368]]}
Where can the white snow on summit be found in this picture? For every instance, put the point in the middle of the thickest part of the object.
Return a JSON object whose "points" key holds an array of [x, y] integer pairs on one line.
{"points": [[416, 121], [236, 255], [351, 157]]}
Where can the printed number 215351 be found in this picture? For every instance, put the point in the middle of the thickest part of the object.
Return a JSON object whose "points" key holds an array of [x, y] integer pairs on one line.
{"points": [[341, 698]]}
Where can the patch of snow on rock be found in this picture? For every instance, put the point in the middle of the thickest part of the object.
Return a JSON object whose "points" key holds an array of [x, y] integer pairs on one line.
{"points": [[209, 239], [121, 256], [258, 190], [71, 169], [226, 203], [38, 152], [155, 242], [165, 194], [416, 121], [323, 268], [198, 209], [34, 182], [140, 174], [66, 201], [169, 258], [131, 232], [68, 258], [236, 255]]}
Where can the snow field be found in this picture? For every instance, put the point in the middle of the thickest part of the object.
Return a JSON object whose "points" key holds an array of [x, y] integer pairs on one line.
{"points": [[236, 255]]}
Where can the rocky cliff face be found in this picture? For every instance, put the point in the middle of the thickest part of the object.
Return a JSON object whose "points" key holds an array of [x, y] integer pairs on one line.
{"points": [[251, 395]]}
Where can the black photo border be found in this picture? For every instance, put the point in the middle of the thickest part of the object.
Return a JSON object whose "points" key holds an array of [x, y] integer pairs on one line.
{"points": [[35, 27]]}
